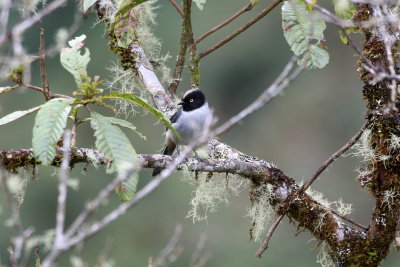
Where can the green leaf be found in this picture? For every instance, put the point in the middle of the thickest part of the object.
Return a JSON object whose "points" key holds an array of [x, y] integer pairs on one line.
{"points": [[304, 34], [200, 3], [49, 126], [17, 114], [116, 147], [141, 102], [75, 62], [345, 9], [126, 124], [87, 4]]}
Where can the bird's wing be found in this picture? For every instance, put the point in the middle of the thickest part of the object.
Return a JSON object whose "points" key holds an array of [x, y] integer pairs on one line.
{"points": [[176, 115]]}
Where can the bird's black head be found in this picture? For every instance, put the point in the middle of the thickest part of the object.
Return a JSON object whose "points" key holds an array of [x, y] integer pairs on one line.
{"points": [[192, 99]]}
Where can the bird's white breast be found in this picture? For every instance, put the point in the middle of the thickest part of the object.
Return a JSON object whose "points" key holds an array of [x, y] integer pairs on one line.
{"points": [[190, 125]]}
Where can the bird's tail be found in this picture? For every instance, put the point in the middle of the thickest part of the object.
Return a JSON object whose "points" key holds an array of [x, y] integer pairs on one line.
{"points": [[168, 150]]}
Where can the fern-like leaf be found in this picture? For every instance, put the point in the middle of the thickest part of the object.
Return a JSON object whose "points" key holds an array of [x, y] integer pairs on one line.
{"points": [[49, 126], [116, 147]]}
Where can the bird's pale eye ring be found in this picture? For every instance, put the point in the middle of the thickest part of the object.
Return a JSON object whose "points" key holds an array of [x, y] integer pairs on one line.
{"points": [[191, 100]]}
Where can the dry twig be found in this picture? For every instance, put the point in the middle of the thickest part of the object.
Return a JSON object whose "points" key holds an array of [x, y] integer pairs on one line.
{"points": [[42, 59], [241, 29]]}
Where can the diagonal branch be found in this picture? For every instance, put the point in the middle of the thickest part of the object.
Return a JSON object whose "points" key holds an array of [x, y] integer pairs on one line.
{"points": [[23, 26], [333, 157], [177, 7], [244, 9], [307, 184], [271, 230], [241, 29]]}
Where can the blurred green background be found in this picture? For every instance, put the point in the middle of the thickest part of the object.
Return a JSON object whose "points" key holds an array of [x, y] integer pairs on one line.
{"points": [[297, 131]]}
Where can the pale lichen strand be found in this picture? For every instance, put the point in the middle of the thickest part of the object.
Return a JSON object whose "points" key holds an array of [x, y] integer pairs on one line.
{"points": [[212, 191], [261, 212], [323, 256]]}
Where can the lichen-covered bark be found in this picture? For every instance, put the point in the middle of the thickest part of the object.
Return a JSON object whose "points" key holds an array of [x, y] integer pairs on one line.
{"points": [[382, 175]]}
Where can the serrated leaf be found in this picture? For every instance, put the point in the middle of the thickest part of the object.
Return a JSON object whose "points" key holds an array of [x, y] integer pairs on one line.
{"points": [[141, 102], [75, 62], [17, 114], [116, 147], [126, 124], [200, 3], [49, 126], [304, 34], [87, 4]]}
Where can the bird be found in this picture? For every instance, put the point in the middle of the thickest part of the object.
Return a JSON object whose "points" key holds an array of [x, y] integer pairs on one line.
{"points": [[189, 121]]}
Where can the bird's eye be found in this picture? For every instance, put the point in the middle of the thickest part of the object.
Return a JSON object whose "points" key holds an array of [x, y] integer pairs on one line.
{"points": [[191, 100]]}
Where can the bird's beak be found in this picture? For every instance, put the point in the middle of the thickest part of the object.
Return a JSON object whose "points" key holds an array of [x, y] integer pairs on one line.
{"points": [[181, 103]]}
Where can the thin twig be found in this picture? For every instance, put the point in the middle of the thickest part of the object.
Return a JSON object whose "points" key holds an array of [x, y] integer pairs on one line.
{"points": [[71, 31], [330, 17], [183, 44], [4, 15], [62, 188], [281, 82], [176, 7], [194, 55], [332, 158], [199, 257], [241, 29], [244, 9], [346, 218], [42, 60], [39, 89], [96, 202], [60, 237], [271, 230], [306, 185], [20, 28], [171, 251]]}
